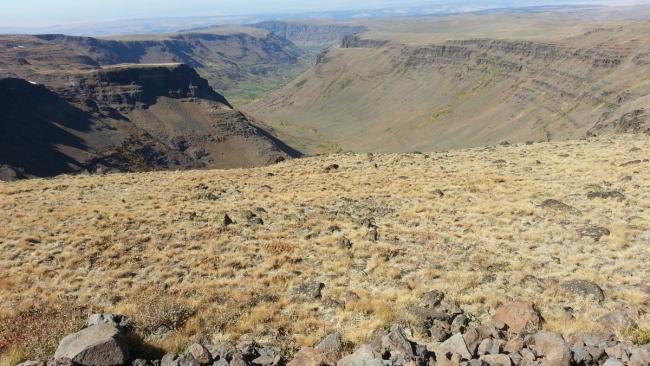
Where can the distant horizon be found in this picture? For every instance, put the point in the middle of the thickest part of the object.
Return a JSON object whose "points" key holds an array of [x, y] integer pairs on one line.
{"points": [[45, 13]]}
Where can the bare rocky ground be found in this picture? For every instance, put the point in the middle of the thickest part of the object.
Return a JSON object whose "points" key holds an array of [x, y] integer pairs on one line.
{"points": [[512, 338], [541, 251]]}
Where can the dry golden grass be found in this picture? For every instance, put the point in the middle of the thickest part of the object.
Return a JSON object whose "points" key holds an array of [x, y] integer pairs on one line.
{"points": [[152, 246]]}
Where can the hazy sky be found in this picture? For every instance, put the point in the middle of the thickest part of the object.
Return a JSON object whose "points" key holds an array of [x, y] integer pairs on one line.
{"points": [[52, 12], [48, 12]]}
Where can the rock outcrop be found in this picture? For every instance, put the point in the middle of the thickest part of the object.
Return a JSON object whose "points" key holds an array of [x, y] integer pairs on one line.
{"points": [[97, 345]]}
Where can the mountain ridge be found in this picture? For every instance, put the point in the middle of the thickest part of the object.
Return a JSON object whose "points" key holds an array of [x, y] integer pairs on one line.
{"points": [[231, 60], [383, 95]]}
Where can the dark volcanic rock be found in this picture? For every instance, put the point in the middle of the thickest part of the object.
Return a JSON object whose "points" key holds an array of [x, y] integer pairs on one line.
{"points": [[609, 194], [592, 231], [584, 288]]}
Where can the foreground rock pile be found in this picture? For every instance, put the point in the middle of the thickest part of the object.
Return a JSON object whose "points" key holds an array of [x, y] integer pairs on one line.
{"points": [[514, 338]]}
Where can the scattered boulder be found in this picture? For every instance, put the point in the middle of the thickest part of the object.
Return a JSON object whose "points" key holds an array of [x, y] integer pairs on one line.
{"points": [[617, 321], [497, 360], [395, 341], [613, 362], [519, 316], [606, 194], [583, 288], [553, 348], [472, 339], [266, 360], [581, 356], [528, 354], [515, 358], [596, 353], [331, 168], [459, 324], [592, 231], [514, 345], [200, 353], [97, 345], [256, 221], [456, 344], [363, 356], [344, 243], [226, 220], [640, 356], [617, 351], [631, 162], [447, 359], [170, 359], [439, 331], [560, 206], [331, 343], [597, 339], [490, 346], [432, 298], [312, 357], [222, 350], [118, 321]]}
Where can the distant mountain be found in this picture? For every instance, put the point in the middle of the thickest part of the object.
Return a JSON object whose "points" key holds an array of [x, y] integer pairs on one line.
{"points": [[125, 118]]}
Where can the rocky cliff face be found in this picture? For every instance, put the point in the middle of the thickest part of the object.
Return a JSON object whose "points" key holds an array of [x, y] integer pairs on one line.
{"points": [[375, 95], [125, 118], [227, 61], [311, 35], [357, 41], [131, 86]]}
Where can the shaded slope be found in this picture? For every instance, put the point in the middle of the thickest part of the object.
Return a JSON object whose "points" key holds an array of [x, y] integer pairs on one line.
{"points": [[126, 118], [34, 122]]}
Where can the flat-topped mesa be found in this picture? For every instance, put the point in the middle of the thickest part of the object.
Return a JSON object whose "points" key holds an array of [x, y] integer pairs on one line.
{"points": [[127, 86]]}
